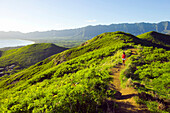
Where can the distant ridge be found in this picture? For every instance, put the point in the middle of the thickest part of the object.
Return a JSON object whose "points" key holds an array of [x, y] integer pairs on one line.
{"points": [[89, 32]]}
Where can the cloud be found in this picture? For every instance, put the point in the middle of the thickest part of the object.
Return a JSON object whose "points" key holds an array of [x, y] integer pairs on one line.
{"points": [[90, 21]]}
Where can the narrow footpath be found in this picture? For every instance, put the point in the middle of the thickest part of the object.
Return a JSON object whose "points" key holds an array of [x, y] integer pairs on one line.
{"points": [[125, 99]]}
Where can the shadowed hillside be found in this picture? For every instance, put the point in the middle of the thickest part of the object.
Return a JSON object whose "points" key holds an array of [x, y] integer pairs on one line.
{"points": [[157, 38]]}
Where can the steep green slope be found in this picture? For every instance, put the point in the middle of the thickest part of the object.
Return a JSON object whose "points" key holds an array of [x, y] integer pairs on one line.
{"points": [[60, 81], [103, 43], [29, 55], [157, 38], [148, 71], [75, 80]]}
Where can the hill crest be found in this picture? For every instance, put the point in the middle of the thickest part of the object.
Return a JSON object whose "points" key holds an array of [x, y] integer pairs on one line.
{"points": [[157, 38], [29, 55]]}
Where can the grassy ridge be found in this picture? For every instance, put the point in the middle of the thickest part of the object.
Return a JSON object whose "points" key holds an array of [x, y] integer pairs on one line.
{"points": [[66, 56], [28, 55], [157, 38], [62, 84], [77, 80]]}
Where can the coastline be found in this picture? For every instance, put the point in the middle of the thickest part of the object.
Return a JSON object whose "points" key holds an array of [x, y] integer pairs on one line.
{"points": [[5, 43]]}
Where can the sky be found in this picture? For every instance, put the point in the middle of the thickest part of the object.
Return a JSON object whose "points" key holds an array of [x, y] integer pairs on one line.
{"points": [[42, 15]]}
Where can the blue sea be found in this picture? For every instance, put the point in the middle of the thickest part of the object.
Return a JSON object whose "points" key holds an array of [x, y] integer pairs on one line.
{"points": [[14, 42]]}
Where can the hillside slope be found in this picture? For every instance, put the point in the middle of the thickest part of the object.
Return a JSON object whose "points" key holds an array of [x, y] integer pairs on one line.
{"points": [[28, 55], [77, 80], [81, 66], [157, 38]]}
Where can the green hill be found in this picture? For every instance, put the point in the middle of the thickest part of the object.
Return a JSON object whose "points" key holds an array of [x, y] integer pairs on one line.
{"points": [[157, 38], [28, 55], [78, 79]]}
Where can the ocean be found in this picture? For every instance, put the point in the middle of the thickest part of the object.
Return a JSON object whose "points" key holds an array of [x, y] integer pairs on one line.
{"points": [[14, 42]]}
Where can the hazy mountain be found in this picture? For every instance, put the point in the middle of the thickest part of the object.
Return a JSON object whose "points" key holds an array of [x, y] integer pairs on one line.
{"points": [[11, 34], [88, 32]]}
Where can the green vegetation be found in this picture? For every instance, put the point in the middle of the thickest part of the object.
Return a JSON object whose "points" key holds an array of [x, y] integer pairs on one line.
{"points": [[150, 70], [82, 80], [28, 55], [9, 48], [157, 38], [77, 79]]}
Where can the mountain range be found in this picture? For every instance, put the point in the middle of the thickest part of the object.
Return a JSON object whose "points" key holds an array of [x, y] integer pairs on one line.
{"points": [[89, 32]]}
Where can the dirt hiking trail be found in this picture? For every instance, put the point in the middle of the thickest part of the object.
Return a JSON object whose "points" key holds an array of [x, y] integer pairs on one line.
{"points": [[125, 96]]}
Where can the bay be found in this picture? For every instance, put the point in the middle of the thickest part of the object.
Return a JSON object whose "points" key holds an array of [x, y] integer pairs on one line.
{"points": [[14, 42]]}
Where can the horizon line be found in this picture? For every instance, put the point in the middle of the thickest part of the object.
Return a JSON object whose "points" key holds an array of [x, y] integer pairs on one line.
{"points": [[88, 25]]}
